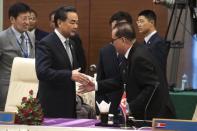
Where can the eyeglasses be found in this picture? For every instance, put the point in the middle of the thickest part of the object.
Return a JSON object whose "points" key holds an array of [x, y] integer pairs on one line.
{"points": [[113, 40]]}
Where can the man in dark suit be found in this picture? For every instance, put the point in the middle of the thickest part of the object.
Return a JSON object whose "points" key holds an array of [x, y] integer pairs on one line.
{"points": [[14, 42], [108, 65], [36, 33], [80, 53], [158, 47], [147, 92], [56, 67]]}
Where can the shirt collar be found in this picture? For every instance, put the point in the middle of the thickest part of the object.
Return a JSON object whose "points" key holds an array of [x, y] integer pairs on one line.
{"points": [[17, 34], [127, 53], [60, 36], [32, 31], [128, 50], [147, 38]]}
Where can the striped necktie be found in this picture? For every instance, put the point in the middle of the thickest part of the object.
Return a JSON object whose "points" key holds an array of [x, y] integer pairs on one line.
{"points": [[23, 46]]}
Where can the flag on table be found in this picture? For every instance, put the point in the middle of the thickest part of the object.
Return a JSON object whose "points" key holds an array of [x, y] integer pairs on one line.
{"points": [[123, 104], [160, 125]]}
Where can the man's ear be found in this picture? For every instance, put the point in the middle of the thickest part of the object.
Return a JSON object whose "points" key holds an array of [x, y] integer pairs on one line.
{"points": [[152, 22], [12, 19], [59, 22]]}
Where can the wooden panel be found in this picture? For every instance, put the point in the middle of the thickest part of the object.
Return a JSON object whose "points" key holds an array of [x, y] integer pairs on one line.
{"points": [[84, 23]]}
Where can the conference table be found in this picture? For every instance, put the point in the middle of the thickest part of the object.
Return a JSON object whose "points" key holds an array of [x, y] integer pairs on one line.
{"points": [[62, 124], [185, 103]]}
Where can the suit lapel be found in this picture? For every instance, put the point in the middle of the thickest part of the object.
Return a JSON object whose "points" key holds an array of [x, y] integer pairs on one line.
{"points": [[152, 38], [13, 41], [61, 49]]}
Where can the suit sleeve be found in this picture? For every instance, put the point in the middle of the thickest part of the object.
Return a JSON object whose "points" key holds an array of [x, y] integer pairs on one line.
{"points": [[44, 68], [100, 69], [109, 85], [146, 78]]}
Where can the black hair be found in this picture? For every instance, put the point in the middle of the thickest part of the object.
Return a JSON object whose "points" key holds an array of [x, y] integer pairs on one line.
{"points": [[119, 16], [149, 14], [125, 30], [61, 13], [18, 8]]}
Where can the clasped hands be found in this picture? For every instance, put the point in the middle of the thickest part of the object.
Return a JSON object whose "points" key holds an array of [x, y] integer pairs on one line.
{"points": [[87, 83]]}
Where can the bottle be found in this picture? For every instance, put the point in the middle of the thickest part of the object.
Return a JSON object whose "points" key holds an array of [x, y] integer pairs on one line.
{"points": [[184, 82]]}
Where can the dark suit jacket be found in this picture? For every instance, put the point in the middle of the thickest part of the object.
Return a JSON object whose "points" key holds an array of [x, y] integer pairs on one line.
{"points": [[143, 74], [39, 34], [56, 89], [80, 54], [108, 67], [159, 48]]}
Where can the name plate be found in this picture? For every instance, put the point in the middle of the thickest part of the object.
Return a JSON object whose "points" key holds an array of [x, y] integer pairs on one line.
{"points": [[7, 117], [174, 125]]}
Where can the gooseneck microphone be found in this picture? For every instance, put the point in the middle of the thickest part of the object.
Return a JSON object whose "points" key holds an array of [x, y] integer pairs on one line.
{"points": [[149, 100]]}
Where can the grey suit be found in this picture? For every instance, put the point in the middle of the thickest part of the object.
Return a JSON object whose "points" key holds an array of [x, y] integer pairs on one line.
{"points": [[8, 50]]}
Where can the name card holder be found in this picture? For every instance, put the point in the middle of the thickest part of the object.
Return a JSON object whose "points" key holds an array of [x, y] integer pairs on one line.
{"points": [[174, 125], [7, 117]]}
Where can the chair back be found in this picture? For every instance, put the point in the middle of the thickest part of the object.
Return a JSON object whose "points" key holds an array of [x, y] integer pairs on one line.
{"points": [[23, 79], [195, 114]]}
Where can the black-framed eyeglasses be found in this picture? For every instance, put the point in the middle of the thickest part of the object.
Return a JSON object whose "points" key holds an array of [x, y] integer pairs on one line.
{"points": [[113, 40]]}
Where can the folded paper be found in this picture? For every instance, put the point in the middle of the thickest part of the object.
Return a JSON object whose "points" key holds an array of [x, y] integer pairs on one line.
{"points": [[103, 106]]}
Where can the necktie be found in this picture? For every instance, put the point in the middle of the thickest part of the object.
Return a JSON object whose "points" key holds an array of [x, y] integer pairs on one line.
{"points": [[68, 50], [23, 46], [124, 69]]}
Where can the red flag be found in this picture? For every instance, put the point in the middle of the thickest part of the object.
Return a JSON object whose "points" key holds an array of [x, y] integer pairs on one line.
{"points": [[160, 125], [123, 104]]}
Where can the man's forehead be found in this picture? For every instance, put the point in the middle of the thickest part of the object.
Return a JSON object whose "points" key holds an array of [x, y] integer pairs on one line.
{"points": [[24, 14], [72, 15]]}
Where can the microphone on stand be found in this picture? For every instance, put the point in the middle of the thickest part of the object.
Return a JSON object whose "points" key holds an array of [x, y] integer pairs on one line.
{"points": [[141, 123], [149, 100]]}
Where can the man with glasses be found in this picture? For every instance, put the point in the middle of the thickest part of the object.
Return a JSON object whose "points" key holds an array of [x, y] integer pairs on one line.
{"points": [[36, 33], [57, 67], [14, 42], [108, 65], [147, 93]]}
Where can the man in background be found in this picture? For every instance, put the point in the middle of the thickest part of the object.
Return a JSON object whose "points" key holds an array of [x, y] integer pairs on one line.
{"points": [[157, 46], [36, 33], [57, 67], [108, 65], [80, 53], [14, 42]]}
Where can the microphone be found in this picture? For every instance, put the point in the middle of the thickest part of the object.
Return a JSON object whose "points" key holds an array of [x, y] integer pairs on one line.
{"points": [[149, 100], [141, 123]]}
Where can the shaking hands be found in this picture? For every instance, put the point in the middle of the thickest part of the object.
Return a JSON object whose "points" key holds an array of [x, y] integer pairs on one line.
{"points": [[86, 83]]}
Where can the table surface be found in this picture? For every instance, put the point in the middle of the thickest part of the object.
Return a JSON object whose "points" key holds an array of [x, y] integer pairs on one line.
{"points": [[62, 124]]}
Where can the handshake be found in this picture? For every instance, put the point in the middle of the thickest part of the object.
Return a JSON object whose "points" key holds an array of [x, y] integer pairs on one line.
{"points": [[86, 82]]}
